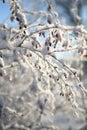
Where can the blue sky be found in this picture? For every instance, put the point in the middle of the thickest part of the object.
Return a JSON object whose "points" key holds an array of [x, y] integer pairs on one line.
{"points": [[5, 14], [4, 11]]}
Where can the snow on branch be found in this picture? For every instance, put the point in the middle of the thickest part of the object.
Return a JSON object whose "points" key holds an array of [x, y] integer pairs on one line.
{"points": [[32, 76]]}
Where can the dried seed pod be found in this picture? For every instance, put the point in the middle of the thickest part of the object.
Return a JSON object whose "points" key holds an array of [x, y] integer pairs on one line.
{"points": [[13, 12], [50, 76], [30, 55], [80, 50], [65, 75], [47, 42], [57, 79], [3, 1], [48, 48], [49, 19], [17, 19], [12, 18], [61, 94], [39, 67], [25, 26], [20, 27], [49, 7]]}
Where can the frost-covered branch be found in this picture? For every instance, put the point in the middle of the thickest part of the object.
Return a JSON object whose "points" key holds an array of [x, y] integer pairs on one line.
{"points": [[34, 81]]}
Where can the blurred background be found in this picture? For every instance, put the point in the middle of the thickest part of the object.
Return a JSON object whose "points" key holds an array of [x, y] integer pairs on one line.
{"points": [[70, 12]]}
